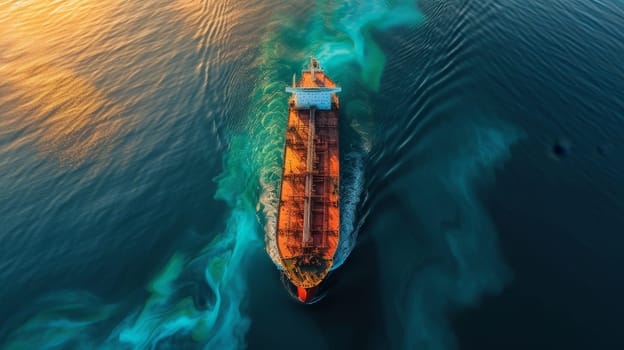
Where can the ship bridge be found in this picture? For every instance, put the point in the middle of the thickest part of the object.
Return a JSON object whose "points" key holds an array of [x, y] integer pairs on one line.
{"points": [[315, 89]]}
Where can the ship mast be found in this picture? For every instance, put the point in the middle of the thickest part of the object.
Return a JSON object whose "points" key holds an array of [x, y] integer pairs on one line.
{"points": [[311, 67]]}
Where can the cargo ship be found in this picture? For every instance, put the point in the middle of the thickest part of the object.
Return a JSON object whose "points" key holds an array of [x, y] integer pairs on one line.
{"points": [[308, 221]]}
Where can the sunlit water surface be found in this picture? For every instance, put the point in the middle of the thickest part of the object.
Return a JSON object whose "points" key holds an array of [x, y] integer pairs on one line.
{"points": [[140, 152]]}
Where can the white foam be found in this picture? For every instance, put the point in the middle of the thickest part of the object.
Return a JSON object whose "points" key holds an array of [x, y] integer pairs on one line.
{"points": [[351, 186]]}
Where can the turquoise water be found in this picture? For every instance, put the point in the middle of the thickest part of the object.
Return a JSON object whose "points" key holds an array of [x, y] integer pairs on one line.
{"points": [[141, 147]]}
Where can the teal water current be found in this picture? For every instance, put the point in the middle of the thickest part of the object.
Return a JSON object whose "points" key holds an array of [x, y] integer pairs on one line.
{"points": [[141, 148]]}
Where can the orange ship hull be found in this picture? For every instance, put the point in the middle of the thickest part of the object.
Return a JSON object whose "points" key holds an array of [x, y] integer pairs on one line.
{"points": [[308, 224]]}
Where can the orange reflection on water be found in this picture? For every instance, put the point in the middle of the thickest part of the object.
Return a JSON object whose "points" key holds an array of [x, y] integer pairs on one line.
{"points": [[61, 112], [65, 115], [71, 71]]}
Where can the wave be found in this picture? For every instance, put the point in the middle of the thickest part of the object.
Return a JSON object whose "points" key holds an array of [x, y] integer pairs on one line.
{"points": [[439, 245], [198, 298]]}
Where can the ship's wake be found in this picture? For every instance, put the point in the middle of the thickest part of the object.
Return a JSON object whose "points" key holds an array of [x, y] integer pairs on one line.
{"points": [[197, 298], [438, 241], [447, 258], [351, 186]]}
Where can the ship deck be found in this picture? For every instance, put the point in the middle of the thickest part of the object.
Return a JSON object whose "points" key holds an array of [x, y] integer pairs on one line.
{"points": [[307, 258]]}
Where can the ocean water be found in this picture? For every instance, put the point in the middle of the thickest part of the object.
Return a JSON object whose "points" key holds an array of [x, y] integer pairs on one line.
{"points": [[481, 191]]}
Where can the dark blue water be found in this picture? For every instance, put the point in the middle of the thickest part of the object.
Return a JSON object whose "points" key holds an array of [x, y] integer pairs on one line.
{"points": [[482, 156]]}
